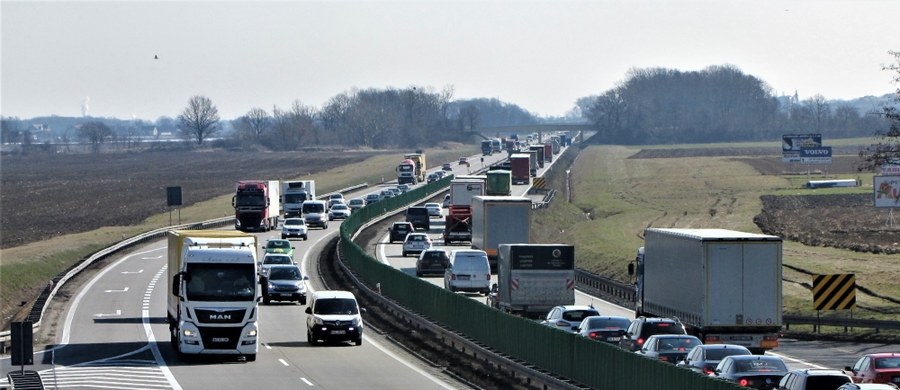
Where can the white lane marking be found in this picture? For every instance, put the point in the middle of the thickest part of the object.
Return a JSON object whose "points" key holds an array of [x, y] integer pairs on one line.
{"points": [[306, 381], [309, 288], [368, 339], [577, 291], [266, 345], [284, 362], [145, 317], [408, 364], [133, 272], [70, 316], [151, 258], [117, 313], [786, 357], [381, 254], [112, 291]]}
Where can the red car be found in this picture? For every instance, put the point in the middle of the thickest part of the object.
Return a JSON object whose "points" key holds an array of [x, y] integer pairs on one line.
{"points": [[876, 368]]}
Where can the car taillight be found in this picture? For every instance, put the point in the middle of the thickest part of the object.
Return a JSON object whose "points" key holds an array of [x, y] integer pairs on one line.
{"points": [[593, 335], [708, 371], [744, 382], [640, 342], [663, 358]]}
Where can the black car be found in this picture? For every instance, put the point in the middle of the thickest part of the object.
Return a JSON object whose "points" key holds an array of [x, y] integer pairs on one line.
{"points": [[418, 216], [432, 261], [755, 371], [703, 359], [399, 230], [642, 328], [670, 348], [604, 328]]}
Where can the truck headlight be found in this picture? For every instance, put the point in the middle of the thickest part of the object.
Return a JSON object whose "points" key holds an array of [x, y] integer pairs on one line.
{"points": [[188, 333], [251, 333]]}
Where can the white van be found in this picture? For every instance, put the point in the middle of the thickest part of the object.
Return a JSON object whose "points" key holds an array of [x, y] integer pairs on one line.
{"points": [[334, 316], [469, 271], [314, 211]]}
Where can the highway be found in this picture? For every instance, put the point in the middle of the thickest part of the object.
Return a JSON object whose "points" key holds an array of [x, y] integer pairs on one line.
{"points": [[113, 333]]}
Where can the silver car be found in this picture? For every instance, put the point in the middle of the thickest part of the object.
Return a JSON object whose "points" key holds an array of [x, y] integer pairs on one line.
{"points": [[285, 283]]}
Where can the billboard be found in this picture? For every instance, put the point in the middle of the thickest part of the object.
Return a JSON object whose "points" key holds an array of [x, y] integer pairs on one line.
{"points": [[793, 144], [887, 191], [820, 155]]}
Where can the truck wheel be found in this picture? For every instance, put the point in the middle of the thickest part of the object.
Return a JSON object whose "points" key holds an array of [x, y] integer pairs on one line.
{"points": [[251, 357]]}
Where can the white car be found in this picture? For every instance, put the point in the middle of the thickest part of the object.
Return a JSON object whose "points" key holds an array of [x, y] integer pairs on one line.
{"points": [[356, 204], [415, 243], [434, 209], [338, 211], [335, 198], [446, 201], [468, 270], [294, 227]]}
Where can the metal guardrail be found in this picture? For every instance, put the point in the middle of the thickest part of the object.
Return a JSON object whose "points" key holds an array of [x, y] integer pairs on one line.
{"points": [[623, 294], [40, 304]]}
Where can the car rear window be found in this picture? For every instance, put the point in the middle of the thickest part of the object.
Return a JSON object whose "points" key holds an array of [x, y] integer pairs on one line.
{"points": [[416, 211], [609, 323], [663, 328], [679, 344], [761, 365], [720, 353], [891, 362], [578, 315], [826, 382], [470, 262]]}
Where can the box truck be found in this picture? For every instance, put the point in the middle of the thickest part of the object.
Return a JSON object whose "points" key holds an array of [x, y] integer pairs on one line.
{"points": [[294, 193], [534, 278], [723, 285], [500, 220]]}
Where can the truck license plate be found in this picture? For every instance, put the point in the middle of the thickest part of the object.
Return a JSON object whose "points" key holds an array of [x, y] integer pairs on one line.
{"points": [[220, 339], [285, 294], [338, 332], [612, 339]]}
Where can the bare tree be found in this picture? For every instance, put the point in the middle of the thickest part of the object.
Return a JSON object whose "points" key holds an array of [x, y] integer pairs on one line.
{"points": [[200, 119], [94, 133], [470, 117], [887, 148], [820, 110], [254, 125]]}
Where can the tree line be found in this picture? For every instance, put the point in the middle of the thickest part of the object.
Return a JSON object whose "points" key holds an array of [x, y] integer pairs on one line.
{"points": [[716, 104], [374, 118]]}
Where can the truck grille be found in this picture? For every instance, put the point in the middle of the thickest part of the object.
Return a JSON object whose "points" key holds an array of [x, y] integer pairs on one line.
{"points": [[220, 338], [220, 316]]}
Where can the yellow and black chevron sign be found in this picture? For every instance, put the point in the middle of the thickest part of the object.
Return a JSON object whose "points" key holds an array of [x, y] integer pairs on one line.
{"points": [[539, 183], [834, 292]]}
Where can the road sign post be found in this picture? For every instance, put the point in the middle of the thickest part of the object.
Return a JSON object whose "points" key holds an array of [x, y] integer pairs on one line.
{"points": [[22, 344]]}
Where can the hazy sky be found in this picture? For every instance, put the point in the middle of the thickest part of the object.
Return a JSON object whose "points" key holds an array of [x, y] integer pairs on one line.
{"points": [[542, 55]]}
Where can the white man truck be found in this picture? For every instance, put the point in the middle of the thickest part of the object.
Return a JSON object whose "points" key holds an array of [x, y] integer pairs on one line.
{"points": [[213, 294], [295, 193], [500, 220], [533, 278], [724, 285]]}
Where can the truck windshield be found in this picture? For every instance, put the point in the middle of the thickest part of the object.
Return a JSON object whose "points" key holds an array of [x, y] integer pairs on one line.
{"points": [[405, 168], [250, 200], [220, 282], [295, 198]]}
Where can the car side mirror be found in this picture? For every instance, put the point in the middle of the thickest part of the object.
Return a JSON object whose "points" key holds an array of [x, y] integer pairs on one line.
{"points": [[305, 277], [363, 310], [308, 310], [848, 369]]}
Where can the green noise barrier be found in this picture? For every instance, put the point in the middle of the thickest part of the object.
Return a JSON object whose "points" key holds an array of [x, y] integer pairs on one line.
{"points": [[591, 363]]}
